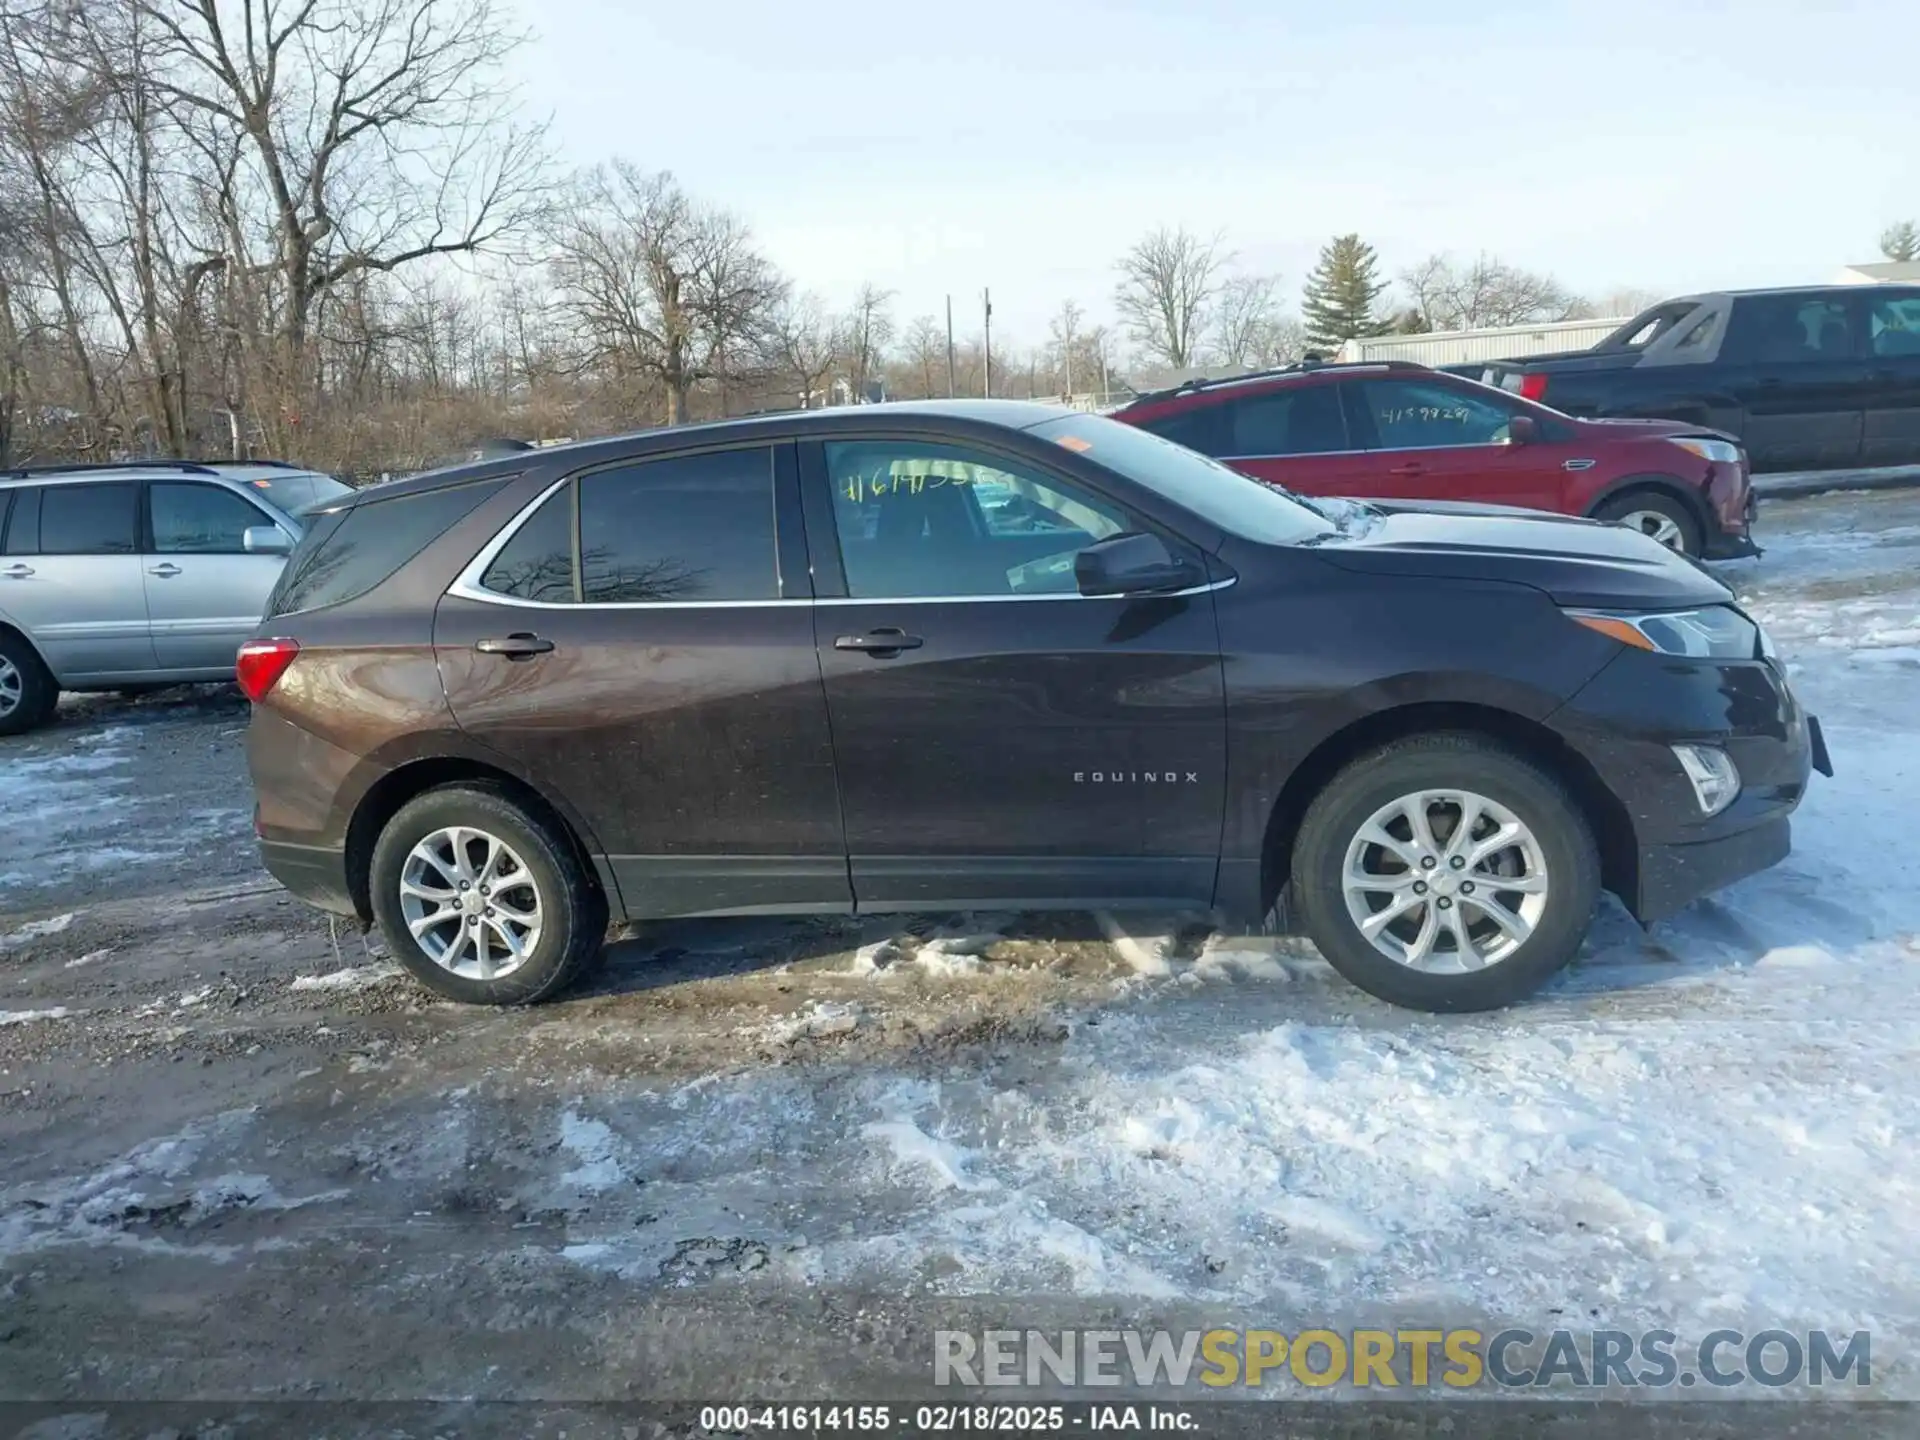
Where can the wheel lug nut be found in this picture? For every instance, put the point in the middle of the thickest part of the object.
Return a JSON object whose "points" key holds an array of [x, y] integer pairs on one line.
{"points": [[1466, 887], [1419, 887], [1445, 904], [1427, 863], [485, 891], [1459, 862], [464, 885]]}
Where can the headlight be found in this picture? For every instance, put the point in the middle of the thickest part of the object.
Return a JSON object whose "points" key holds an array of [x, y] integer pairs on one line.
{"points": [[1720, 452], [1714, 632]]}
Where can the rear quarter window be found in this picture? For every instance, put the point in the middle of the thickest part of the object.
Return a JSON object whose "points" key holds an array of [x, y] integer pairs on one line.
{"points": [[345, 553]]}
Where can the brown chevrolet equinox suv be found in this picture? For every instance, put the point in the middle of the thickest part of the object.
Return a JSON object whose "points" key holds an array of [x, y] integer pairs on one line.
{"points": [[987, 655]]}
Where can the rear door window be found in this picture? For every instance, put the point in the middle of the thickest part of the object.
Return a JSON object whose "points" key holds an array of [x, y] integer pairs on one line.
{"points": [[536, 563], [1304, 420], [1789, 330], [685, 529], [23, 522], [345, 553], [1199, 427], [92, 519], [1429, 415]]}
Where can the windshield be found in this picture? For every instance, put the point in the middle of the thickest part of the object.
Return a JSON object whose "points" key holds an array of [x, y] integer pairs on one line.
{"points": [[1224, 497], [298, 491]]}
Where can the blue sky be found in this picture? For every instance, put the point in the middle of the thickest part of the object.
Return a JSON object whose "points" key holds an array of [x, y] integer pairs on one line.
{"points": [[934, 149]]}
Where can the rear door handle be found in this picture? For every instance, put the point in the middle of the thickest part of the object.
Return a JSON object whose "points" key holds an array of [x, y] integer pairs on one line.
{"points": [[1409, 470], [17, 572], [883, 642], [518, 646], [165, 571]]}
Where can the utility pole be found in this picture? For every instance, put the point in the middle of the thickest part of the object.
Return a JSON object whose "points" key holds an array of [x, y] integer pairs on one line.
{"points": [[949, 347], [986, 347]]}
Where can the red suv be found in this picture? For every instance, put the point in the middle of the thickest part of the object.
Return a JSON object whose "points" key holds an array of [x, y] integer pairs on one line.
{"points": [[1400, 431]]}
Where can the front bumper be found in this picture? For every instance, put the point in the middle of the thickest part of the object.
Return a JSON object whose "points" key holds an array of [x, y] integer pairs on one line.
{"points": [[1625, 723], [1728, 539]]}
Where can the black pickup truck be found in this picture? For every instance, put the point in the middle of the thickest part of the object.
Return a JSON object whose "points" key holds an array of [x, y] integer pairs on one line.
{"points": [[1812, 379]]}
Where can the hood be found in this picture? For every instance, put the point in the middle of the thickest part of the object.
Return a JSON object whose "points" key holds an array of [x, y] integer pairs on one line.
{"points": [[1652, 429], [1576, 562]]}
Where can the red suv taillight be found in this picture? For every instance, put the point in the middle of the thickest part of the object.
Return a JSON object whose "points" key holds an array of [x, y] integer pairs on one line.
{"points": [[1533, 387], [260, 665]]}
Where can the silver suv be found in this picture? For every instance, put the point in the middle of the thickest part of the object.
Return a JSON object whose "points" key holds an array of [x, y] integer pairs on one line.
{"points": [[118, 576]]}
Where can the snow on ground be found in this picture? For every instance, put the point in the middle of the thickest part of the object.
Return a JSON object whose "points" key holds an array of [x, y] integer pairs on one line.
{"points": [[1708, 1124]]}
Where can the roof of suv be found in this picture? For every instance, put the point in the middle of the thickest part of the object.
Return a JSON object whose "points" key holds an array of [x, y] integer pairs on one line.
{"points": [[907, 414], [1305, 370]]}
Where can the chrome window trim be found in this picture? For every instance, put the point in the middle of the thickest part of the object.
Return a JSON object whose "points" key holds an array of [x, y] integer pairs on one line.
{"points": [[467, 586]]}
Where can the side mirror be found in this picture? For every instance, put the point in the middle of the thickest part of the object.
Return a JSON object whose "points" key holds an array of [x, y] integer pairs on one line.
{"points": [[1131, 565], [266, 540], [1523, 430]]}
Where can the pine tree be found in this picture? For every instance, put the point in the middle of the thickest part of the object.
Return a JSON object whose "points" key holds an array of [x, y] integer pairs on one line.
{"points": [[1340, 294], [1901, 243]]}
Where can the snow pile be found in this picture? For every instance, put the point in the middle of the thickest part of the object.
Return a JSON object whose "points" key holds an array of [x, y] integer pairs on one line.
{"points": [[25, 1017], [946, 956], [35, 930], [349, 980]]}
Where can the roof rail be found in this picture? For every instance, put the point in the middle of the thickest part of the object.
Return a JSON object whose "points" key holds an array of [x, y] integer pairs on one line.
{"points": [[1308, 364], [276, 464], [78, 467]]}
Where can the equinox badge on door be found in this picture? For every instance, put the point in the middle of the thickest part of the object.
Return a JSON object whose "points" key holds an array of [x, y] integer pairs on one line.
{"points": [[1135, 777]]}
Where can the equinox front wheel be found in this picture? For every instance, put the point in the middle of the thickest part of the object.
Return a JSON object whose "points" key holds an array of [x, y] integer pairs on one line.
{"points": [[1445, 872]]}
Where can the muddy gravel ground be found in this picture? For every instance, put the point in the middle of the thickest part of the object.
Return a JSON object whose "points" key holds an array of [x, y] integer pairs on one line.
{"points": [[242, 1158]]}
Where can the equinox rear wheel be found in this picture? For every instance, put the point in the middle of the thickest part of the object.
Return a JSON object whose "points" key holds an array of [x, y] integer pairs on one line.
{"points": [[1445, 872], [483, 899]]}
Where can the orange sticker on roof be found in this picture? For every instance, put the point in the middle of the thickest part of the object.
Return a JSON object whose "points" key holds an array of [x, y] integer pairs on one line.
{"points": [[1074, 443]]}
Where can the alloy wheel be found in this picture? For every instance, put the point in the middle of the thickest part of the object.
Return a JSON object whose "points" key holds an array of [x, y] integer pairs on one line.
{"points": [[1657, 527], [1445, 881], [470, 903], [12, 686]]}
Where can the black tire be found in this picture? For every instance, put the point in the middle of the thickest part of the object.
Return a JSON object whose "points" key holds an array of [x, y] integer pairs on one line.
{"points": [[1443, 762], [39, 692], [1654, 502], [574, 913]]}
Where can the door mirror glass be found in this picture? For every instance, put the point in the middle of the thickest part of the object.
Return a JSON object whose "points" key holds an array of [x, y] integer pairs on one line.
{"points": [[1523, 430], [265, 540], [1131, 565]]}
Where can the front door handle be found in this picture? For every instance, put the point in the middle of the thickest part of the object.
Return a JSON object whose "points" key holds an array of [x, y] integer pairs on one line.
{"points": [[166, 571], [1409, 471], [518, 646], [883, 642], [17, 572]]}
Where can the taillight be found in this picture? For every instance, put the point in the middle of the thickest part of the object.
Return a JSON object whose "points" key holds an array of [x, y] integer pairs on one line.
{"points": [[261, 663], [1533, 387]]}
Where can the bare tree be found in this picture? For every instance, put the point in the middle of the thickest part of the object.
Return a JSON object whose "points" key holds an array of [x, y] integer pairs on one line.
{"points": [[1067, 333], [376, 133], [1243, 316], [634, 264], [1487, 294], [923, 357], [807, 342], [1168, 281], [867, 331]]}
